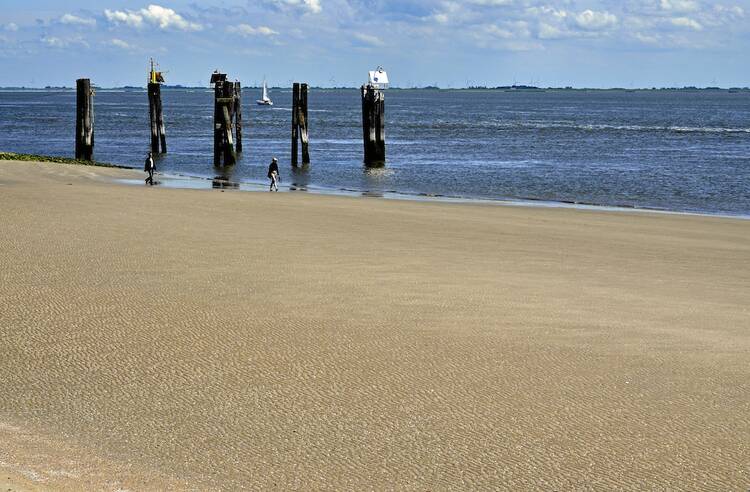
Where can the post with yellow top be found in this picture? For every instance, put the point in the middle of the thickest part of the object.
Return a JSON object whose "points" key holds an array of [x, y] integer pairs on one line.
{"points": [[158, 132]]}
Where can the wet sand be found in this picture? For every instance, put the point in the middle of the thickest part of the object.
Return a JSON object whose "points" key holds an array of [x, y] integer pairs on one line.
{"points": [[198, 339]]}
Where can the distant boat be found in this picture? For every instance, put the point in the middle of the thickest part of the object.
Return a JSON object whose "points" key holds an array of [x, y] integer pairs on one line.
{"points": [[265, 100]]}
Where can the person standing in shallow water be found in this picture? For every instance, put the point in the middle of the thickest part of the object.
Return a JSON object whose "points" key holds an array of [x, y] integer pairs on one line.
{"points": [[273, 175], [149, 167]]}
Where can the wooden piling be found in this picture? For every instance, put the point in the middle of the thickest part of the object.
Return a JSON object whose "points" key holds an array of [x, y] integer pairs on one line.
{"points": [[228, 110], [299, 124], [156, 116], [295, 123], [303, 121], [238, 116], [373, 125], [158, 133], [84, 120], [218, 92], [160, 122], [224, 109]]}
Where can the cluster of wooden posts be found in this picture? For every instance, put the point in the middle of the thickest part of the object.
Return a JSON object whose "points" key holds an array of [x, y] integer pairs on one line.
{"points": [[228, 122]]}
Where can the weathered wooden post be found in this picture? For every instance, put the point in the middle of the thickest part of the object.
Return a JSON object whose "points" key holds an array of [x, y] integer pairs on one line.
{"points": [[238, 115], [160, 122], [299, 123], [224, 152], [227, 113], [295, 123], [84, 120], [303, 121], [158, 132], [373, 125], [158, 138], [217, 79]]}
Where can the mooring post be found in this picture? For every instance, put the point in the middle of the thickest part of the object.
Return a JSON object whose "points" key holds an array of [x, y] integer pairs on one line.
{"points": [[238, 115], [373, 125], [156, 117], [299, 123], [84, 120], [160, 122], [227, 109], [218, 91], [304, 138], [153, 90], [295, 122]]}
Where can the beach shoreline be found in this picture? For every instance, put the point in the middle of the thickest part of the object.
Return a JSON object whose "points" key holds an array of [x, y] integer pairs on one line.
{"points": [[188, 181], [172, 338]]}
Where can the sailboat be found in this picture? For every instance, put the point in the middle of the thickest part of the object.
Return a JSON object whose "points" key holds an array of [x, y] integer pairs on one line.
{"points": [[265, 100]]}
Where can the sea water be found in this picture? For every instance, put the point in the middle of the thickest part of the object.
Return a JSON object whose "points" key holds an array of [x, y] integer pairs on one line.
{"points": [[673, 150]]}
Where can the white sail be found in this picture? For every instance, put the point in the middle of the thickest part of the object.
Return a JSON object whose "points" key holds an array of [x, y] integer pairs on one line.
{"points": [[265, 100]]}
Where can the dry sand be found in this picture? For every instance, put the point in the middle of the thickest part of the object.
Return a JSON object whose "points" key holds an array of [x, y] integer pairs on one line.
{"points": [[160, 338]]}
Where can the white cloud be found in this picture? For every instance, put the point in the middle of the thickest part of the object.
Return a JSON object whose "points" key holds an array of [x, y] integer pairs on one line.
{"points": [[548, 31], [679, 6], [248, 30], [647, 38], [312, 6], [55, 42], [368, 39], [132, 19], [76, 20], [162, 17], [509, 30], [491, 3], [686, 22], [119, 43], [734, 12], [12, 27], [594, 21]]}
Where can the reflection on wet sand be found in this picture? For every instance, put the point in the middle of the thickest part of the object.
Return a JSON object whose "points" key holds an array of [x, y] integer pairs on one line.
{"points": [[219, 183], [300, 178]]}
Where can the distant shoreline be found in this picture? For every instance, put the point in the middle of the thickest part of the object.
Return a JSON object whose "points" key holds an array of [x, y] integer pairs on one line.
{"points": [[510, 88]]}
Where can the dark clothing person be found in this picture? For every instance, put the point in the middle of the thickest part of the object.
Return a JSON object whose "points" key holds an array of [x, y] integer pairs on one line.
{"points": [[273, 175], [149, 167]]}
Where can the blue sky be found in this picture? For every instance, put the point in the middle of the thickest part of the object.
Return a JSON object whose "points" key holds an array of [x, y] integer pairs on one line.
{"points": [[452, 43]]}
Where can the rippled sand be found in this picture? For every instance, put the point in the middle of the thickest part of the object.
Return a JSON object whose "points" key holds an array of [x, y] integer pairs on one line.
{"points": [[160, 338]]}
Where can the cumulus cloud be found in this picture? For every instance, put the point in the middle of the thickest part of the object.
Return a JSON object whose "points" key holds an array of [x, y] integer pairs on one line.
{"points": [[12, 27], [311, 6], [76, 20], [686, 22], [594, 21], [247, 30], [154, 15]]}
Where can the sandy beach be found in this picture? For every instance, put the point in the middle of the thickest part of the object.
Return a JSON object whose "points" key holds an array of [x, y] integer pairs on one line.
{"points": [[159, 338]]}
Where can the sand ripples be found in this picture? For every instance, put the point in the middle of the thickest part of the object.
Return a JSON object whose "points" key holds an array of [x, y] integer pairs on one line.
{"points": [[170, 338]]}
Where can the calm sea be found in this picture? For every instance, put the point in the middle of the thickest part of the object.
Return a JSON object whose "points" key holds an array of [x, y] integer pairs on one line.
{"points": [[683, 151]]}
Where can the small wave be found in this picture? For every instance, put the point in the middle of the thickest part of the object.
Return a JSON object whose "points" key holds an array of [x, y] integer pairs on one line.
{"points": [[564, 125]]}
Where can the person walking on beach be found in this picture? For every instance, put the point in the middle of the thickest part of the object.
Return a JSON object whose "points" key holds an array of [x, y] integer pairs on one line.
{"points": [[273, 175], [149, 167]]}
